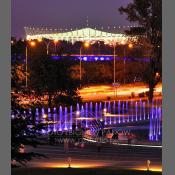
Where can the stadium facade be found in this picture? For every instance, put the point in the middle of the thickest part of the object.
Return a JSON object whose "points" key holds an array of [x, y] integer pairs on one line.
{"points": [[84, 34]]}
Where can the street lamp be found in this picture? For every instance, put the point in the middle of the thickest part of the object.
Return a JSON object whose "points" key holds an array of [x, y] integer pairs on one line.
{"points": [[55, 42], [86, 45], [130, 46], [114, 60], [31, 43], [48, 43]]}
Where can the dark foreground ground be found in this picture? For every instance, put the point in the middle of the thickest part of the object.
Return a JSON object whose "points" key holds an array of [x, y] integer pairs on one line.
{"points": [[76, 171]]}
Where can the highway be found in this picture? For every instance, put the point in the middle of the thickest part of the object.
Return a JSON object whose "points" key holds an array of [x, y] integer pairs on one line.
{"points": [[102, 92]]}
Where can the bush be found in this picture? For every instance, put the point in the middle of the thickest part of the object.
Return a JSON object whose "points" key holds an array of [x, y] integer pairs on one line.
{"points": [[132, 94], [147, 93], [108, 98], [142, 94]]}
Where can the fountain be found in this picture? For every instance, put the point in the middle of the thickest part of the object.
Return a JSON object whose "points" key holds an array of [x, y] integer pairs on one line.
{"points": [[136, 109], [105, 110], [140, 109], [119, 111], [109, 111], [65, 118], [70, 125], [100, 111], [114, 111], [86, 111], [123, 109], [96, 111], [61, 115]]}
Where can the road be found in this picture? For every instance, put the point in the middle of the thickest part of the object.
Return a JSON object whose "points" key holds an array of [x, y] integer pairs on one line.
{"points": [[102, 92], [115, 156]]}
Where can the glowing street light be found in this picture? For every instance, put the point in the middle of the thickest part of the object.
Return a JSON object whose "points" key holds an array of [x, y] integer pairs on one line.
{"points": [[40, 40], [86, 44], [130, 45], [32, 43], [55, 41]]}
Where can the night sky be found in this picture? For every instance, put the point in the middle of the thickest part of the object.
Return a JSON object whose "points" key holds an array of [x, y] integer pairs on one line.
{"points": [[65, 14]]}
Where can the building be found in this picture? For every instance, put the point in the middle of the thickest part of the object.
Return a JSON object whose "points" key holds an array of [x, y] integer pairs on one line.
{"points": [[84, 34]]}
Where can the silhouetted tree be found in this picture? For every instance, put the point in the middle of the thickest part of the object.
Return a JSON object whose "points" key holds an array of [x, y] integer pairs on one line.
{"points": [[53, 77], [24, 131], [148, 14]]}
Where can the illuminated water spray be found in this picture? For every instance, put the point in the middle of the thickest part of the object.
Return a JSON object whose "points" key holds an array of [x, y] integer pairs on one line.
{"points": [[37, 114], [136, 109], [144, 112], [132, 110], [65, 118], [49, 119], [109, 111], [70, 123], [96, 111], [55, 119], [114, 111], [60, 120], [105, 110], [123, 111], [77, 114], [127, 111], [86, 111], [140, 109], [119, 111], [100, 111]]}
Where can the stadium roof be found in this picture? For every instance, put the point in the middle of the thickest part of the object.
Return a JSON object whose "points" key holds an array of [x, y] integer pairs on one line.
{"points": [[84, 34]]}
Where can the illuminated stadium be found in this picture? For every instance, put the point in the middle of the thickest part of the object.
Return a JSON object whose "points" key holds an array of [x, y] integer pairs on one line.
{"points": [[84, 34]]}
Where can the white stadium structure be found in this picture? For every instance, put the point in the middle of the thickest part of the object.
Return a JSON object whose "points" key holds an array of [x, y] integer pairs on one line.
{"points": [[84, 34]]}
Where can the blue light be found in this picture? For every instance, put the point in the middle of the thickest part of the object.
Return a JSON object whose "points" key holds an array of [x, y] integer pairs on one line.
{"points": [[100, 58], [96, 58], [85, 58]]}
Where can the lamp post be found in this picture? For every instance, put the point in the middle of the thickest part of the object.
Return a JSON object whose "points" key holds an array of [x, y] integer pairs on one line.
{"points": [[114, 60], [115, 85], [48, 43], [55, 42], [80, 61], [124, 62], [32, 43], [124, 59], [86, 45]]}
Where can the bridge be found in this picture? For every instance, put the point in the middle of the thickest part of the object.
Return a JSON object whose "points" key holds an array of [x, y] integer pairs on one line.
{"points": [[99, 58]]}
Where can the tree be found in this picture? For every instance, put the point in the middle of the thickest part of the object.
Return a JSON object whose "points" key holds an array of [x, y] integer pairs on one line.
{"points": [[53, 77], [148, 15], [21, 133]]}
